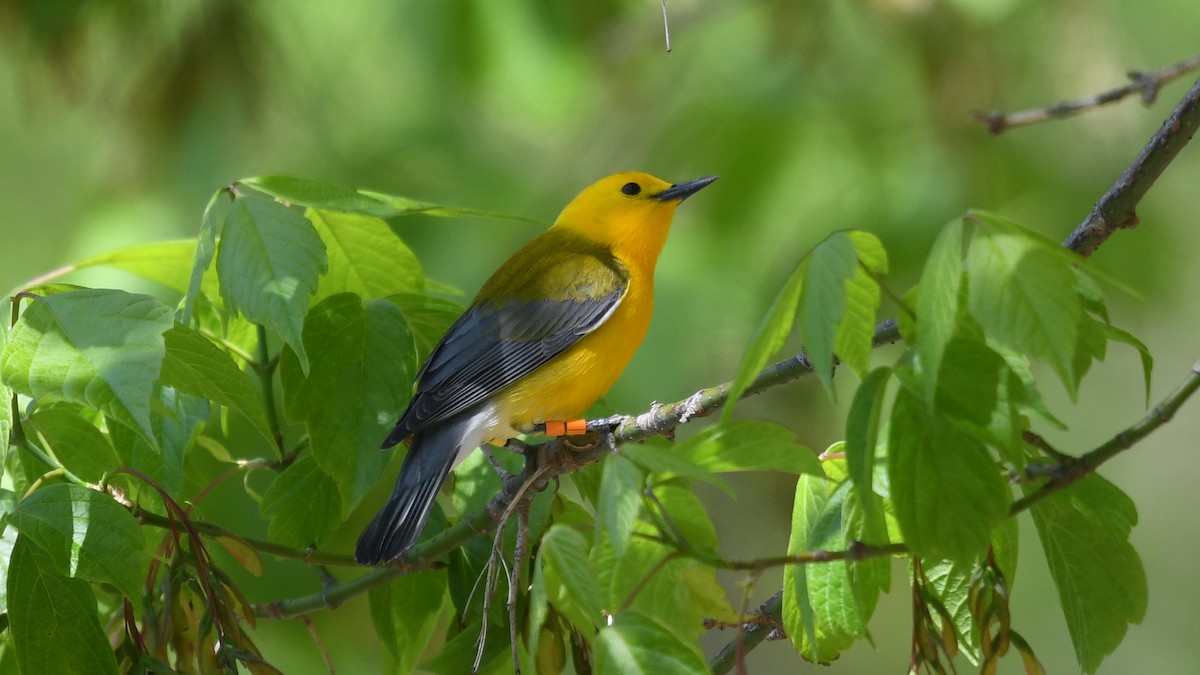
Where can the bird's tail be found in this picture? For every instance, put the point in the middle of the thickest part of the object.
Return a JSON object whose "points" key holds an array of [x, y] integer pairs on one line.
{"points": [[397, 525]]}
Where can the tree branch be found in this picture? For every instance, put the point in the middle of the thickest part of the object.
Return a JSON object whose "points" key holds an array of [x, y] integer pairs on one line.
{"points": [[1116, 209], [1076, 468], [767, 618], [1147, 84]]}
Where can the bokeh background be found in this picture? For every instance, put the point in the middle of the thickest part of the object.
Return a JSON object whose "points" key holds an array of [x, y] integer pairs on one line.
{"points": [[118, 118]]}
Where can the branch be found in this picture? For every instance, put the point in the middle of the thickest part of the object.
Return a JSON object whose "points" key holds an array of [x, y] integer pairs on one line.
{"points": [[1147, 84], [1076, 468], [751, 633], [1116, 209], [279, 550]]}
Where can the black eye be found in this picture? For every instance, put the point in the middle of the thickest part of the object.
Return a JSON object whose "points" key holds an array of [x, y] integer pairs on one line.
{"points": [[631, 189]]}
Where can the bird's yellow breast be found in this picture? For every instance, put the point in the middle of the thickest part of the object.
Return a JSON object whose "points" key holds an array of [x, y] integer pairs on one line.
{"points": [[565, 387]]}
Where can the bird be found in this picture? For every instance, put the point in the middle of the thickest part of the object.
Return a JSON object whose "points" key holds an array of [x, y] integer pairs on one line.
{"points": [[547, 335]]}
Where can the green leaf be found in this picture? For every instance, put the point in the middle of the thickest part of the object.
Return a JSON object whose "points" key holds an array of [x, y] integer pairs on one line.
{"points": [[359, 384], [194, 365], [206, 247], [101, 348], [319, 194], [570, 582], [689, 517], [1031, 399], [862, 435], [968, 380], [85, 534], [75, 441], [620, 501], [1022, 291], [856, 329], [322, 195], [768, 337], [820, 610], [1117, 335], [937, 303], [52, 618], [303, 505], [868, 578], [176, 427], [405, 613], [636, 643], [946, 490], [165, 262], [1101, 584], [748, 445], [269, 260], [952, 581], [365, 257], [428, 319], [665, 462], [831, 265]]}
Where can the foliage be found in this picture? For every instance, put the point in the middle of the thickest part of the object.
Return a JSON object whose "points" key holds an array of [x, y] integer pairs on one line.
{"points": [[118, 396]]}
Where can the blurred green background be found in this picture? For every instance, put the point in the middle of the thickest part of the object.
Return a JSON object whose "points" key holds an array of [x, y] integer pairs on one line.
{"points": [[119, 118]]}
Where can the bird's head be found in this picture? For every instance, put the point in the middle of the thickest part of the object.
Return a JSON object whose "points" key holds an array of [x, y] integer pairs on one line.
{"points": [[630, 212]]}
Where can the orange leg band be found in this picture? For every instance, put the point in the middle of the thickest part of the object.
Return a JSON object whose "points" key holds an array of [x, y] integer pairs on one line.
{"points": [[574, 427]]}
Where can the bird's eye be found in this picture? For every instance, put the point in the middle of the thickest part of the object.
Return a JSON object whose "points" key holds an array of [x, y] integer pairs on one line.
{"points": [[631, 189]]}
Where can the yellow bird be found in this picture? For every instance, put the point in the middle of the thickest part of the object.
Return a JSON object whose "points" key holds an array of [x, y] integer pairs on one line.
{"points": [[543, 340]]}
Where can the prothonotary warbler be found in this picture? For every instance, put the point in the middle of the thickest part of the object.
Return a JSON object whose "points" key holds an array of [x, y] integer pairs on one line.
{"points": [[546, 337]]}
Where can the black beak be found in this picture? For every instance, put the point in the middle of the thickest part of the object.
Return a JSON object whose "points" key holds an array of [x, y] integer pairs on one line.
{"points": [[681, 191]]}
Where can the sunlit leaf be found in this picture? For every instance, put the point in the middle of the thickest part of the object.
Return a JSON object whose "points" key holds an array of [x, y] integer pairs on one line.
{"points": [[1022, 291], [748, 445], [823, 303], [820, 610], [570, 583], [334, 197], [196, 366], [665, 461], [365, 257], [101, 348], [85, 534], [688, 516], [52, 618], [619, 502], [937, 302], [862, 435], [75, 441], [636, 644], [268, 261], [206, 248]]}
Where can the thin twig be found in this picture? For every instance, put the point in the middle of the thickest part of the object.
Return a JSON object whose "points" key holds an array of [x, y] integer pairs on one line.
{"points": [[666, 28], [1087, 463], [1146, 84]]}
